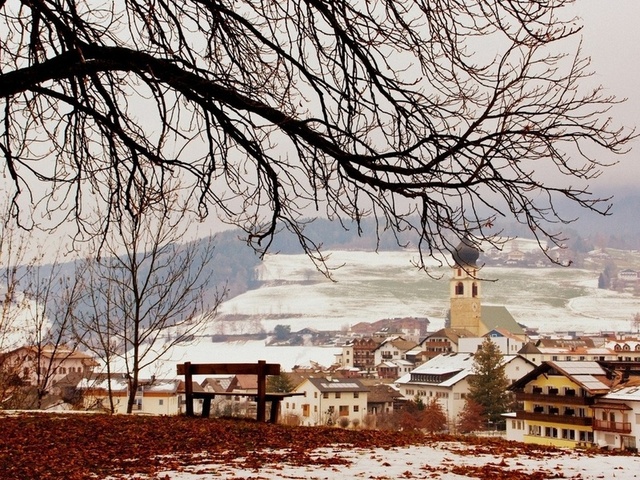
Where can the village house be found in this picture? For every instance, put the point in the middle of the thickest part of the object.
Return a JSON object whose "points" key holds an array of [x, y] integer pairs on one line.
{"points": [[360, 353], [616, 419], [507, 342], [153, 396], [382, 399], [624, 349], [566, 350], [445, 378], [392, 349], [52, 363], [326, 401], [558, 399], [445, 340]]}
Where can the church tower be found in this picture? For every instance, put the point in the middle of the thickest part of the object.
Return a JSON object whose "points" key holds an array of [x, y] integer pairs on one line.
{"points": [[465, 306]]}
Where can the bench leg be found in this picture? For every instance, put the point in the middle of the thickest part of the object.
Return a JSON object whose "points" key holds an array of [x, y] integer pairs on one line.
{"points": [[275, 411], [206, 407]]}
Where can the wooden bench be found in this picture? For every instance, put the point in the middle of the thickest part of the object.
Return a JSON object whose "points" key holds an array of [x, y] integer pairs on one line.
{"points": [[260, 369]]}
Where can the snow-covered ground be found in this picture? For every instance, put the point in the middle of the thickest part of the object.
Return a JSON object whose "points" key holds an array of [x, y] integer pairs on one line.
{"points": [[443, 461]]}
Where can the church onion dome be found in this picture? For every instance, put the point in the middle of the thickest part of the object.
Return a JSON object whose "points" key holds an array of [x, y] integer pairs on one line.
{"points": [[466, 254]]}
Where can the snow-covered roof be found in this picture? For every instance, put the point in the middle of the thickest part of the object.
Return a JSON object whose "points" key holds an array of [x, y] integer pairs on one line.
{"points": [[627, 394], [338, 385], [446, 363]]}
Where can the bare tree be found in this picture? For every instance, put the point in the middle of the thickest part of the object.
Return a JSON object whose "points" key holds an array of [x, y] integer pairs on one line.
{"points": [[48, 330], [434, 116], [15, 264], [37, 301], [148, 292]]}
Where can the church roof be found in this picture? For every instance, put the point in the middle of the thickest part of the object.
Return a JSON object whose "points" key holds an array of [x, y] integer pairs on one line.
{"points": [[466, 254], [498, 317]]}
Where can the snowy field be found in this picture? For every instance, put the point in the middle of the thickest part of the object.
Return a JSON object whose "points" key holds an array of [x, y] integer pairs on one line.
{"points": [[444, 461], [370, 286], [205, 351]]}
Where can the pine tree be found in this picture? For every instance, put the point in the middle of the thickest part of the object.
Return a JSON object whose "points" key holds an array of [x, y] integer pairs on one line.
{"points": [[488, 384], [280, 383]]}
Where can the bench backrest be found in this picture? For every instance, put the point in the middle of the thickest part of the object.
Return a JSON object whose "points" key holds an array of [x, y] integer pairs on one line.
{"points": [[260, 368]]}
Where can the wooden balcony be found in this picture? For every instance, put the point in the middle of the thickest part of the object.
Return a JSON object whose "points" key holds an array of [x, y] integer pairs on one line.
{"points": [[555, 399], [557, 419], [607, 426]]}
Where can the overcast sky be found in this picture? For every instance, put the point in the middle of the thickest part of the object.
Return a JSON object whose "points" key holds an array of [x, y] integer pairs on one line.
{"points": [[611, 37]]}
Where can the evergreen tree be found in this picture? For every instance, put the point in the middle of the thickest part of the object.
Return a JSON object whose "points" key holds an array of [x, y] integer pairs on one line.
{"points": [[488, 384], [280, 383]]}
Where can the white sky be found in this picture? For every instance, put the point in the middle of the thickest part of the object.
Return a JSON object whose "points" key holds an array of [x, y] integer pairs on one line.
{"points": [[611, 38]]}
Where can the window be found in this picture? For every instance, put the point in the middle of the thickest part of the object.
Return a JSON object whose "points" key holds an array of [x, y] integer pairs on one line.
{"points": [[337, 394], [356, 408], [474, 290], [315, 394], [315, 408], [305, 410], [356, 394], [161, 402], [343, 410], [325, 395], [459, 288], [585, 436]]}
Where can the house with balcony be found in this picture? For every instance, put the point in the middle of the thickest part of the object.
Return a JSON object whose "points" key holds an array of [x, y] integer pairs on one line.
{"points": [[445, 340], [357, 354], [557, 401], [392, 349], [616, 419]]}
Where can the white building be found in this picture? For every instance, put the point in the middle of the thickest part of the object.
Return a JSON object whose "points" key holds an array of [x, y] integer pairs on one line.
{"points": [[616, 418], [157, 397], [325, 401], [445, 377]]}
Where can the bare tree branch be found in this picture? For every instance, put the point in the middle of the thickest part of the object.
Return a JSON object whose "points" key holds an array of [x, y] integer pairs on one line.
{"points": [[435, 116]]}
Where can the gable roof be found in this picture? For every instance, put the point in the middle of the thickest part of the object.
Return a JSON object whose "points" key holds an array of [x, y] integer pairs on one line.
{"points": [[338, 385], [591, 376], [381, 393], [450, 368], [529, 348], [498, 317], [399, 343], [453, 334]]}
